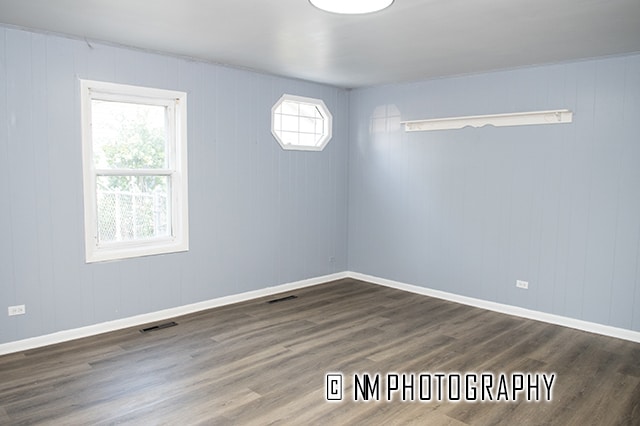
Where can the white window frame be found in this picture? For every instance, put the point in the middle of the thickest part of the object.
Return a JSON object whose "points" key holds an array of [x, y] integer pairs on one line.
{"points": [[327, 122], [178, 238]]}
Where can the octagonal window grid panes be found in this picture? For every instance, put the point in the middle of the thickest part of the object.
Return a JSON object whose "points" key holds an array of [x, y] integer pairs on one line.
{"points": [[301, 123]]}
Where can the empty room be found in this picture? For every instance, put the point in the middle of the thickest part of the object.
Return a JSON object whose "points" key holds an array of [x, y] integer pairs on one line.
{"points": [[320, 212]]}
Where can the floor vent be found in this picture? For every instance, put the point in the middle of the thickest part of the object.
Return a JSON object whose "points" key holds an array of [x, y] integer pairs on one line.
{"points": [[283, 299], [159, 327]]}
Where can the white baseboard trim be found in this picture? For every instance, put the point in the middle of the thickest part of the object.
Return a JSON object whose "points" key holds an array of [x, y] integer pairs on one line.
{"points": [[591, 327], [105, 327]]}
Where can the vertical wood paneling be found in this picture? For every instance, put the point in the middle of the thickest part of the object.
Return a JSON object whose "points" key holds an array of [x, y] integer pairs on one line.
{"points": [[248, 197], [338, 176], [192, 79], [578, 193], [480, 208], [66, 184], [604, 171], [227, 175], [101, 63], [40, 308], [340, 170], [161, 276], [7, 286], [625, 310], [22, 178], [245, 190], [106, 283], [266, 187], [131, 289]]}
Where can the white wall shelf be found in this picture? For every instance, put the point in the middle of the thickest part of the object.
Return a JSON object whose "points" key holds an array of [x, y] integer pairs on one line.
{"points": [[558, 116]]}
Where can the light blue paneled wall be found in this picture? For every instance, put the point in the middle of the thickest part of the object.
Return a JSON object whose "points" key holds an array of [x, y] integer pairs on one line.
{"points": [[259, 215], [466, 211], [470, 211]]}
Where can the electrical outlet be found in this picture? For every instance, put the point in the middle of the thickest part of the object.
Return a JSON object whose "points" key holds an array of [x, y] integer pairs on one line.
{"points": [[17, 310], [522, 284]]}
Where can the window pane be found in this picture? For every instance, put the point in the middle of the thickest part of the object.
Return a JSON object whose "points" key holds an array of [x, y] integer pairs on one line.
{"points": [[310, 125], [289, 108], [277, 122], [289, 138], [132, 208], [129, 136], [307, 110], [289, 123]]}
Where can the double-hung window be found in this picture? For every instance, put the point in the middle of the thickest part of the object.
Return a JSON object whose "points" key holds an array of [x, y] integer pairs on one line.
{"points": [[134, 142]]}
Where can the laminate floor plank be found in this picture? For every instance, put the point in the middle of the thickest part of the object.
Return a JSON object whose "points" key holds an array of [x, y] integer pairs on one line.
{"points": [[260, 363]]}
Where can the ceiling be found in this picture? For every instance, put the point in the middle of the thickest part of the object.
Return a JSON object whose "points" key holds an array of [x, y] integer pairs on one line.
{"points": [[411, 40]]}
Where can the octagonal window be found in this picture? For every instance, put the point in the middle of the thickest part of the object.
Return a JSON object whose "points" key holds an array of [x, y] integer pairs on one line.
{"points": [[301, 123]]}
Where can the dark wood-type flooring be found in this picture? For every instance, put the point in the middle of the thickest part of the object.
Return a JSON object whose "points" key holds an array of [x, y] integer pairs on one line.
{"points": [[255, 363]]}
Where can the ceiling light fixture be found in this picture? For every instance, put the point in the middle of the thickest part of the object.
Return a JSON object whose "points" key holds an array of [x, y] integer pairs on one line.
{"points": [[351, 7]]}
